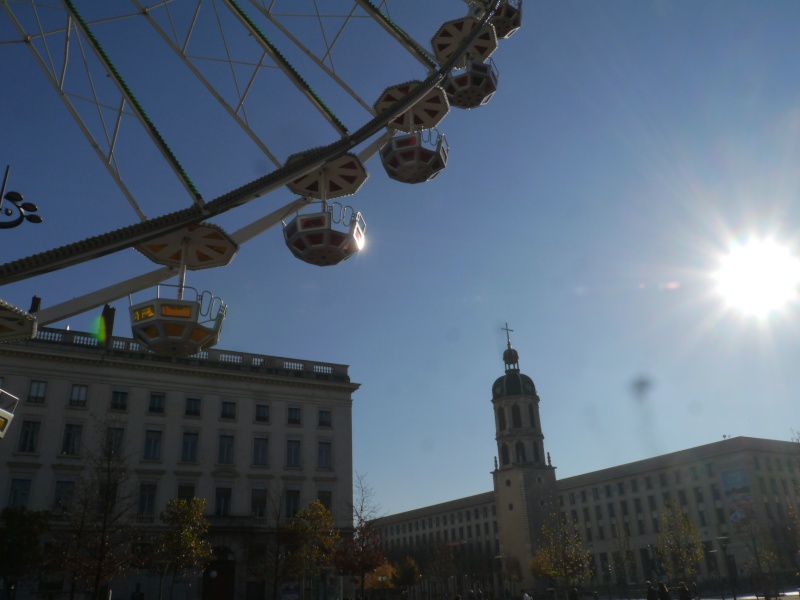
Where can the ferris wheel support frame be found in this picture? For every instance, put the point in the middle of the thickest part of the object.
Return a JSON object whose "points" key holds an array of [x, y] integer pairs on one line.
{"points": [[132, 235]]}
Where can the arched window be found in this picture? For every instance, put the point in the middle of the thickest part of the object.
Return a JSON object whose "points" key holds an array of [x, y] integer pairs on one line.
{"points": [[536, 453], [520, 452], [516, 416], [504, 455], [532, 415], [501, 418]]}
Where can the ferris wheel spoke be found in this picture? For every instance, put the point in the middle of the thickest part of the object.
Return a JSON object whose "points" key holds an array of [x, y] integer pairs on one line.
{"points": [[319, 62], [398, 34], [54, 63]]}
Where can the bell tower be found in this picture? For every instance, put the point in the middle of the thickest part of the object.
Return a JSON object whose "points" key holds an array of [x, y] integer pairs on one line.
{"points": [[524, 478]]}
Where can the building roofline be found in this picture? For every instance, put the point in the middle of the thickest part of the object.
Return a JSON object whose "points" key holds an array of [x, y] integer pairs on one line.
{"points": [[696, 453], [433, 509], [127, 352]]}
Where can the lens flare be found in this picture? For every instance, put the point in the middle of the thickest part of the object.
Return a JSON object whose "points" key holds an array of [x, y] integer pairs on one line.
{"points": [[758, 277]]}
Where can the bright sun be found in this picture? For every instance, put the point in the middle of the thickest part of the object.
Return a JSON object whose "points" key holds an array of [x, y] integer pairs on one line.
{"points": [[758, 277]]}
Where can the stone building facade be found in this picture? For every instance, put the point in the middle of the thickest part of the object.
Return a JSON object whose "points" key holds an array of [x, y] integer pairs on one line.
{"points": [[735, 491], [258, 437]]}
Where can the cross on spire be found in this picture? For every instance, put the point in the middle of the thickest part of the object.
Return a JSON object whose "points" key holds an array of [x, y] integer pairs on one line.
{"points": [[508, 332]]}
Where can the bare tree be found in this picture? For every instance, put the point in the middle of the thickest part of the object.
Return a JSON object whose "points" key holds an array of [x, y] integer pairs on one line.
{"points": [[95, 547], [267, 547], [361, 553]]}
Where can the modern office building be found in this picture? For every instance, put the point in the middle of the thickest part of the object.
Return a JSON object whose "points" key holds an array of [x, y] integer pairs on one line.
{"points": [[732, 490], [258, 436]]}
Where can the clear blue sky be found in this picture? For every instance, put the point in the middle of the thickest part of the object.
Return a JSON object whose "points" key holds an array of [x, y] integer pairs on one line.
{"points": [[587, 205]]}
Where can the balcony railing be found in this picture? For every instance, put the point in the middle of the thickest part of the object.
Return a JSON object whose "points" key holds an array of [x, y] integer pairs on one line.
{"points": [[225, 359]]}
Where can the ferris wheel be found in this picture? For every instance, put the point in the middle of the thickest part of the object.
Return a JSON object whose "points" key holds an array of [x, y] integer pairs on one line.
{"points": [[322, 63]]}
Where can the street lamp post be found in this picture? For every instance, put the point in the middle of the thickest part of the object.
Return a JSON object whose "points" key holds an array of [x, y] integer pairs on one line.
{"points": [[655, 563], [21, 211], [716, 568], [723, 542]]}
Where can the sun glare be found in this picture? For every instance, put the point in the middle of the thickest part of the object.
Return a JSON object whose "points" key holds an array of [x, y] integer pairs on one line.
{"points": [[759, 277]]}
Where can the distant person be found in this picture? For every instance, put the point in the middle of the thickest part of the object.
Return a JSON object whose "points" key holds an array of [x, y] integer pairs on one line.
{"points": [[525, 595], [695, 591], [683, 591], [651, 592], [663, 592]]}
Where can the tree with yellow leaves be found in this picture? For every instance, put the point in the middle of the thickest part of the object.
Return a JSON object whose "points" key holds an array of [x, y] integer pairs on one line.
{"points": [[560, 557]]}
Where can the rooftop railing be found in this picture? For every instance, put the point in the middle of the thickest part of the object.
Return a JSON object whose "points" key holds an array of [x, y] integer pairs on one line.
{"points": [[226, 359]]}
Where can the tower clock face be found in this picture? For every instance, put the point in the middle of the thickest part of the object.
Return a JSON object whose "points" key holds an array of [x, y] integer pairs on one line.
{"points": [[498, 387], [528, 387]]}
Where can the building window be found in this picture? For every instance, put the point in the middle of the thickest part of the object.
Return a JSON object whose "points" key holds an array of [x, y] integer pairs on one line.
{"points": [[192, 407], [189, 448], [262, 413], [78, 395], [715, 492], [19, 493], [119, 400], [324, 458], [662, 479], [71, 444], [292, 503], [157, 402], [62, 497], [222, 505], [147, 499], [261, 451], [113, 445], [325, 498], [698, 495], [29, 436], [225, 454], [516, 417], [185, 491], [501, 419], [621, 488], [324, 418], [227, 410], [258, 502], [152, 445], [710, 468], [648, 483], [293, 453], [634, 485], [294, 415], [37, 392], [520, 452]]}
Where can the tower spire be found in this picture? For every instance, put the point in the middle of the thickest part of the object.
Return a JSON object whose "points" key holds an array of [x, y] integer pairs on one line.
{"points": [[510, 356]]}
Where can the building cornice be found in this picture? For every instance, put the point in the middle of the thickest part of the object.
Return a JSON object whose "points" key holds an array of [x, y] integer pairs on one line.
{"points": [[73, 348]]}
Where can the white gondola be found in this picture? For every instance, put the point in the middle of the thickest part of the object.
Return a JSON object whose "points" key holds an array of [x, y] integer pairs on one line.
{"points": [[415, 157], [177, 326], [472, 86], [448, 40], [507, 19], [8, 404], [325, 235], [426, 113], [15, 323]]}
